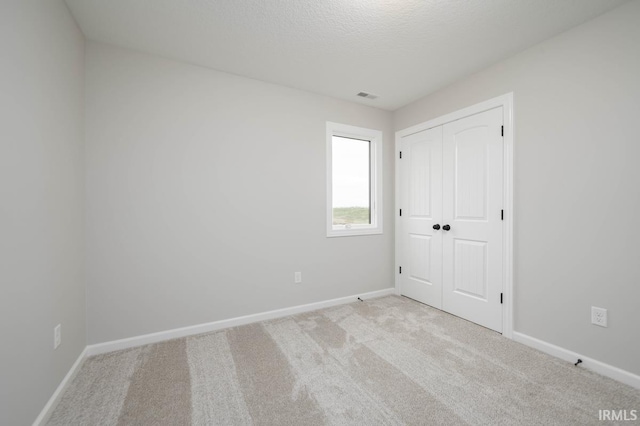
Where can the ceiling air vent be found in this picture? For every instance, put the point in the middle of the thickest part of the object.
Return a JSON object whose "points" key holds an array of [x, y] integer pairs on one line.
{"points": [[367, 95]]}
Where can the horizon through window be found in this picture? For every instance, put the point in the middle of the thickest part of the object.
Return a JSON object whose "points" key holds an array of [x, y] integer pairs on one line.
{"points": [[351, 179]]}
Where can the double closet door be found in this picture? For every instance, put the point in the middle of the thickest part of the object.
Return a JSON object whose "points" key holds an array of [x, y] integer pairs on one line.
{"points": [[451, 227]]}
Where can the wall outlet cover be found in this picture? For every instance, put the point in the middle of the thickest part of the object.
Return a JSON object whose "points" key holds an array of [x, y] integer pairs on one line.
{"points": [[599, 316], [57, 336]]}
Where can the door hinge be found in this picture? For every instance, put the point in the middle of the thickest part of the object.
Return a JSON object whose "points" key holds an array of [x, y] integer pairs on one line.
{"points": [[501, 214], [502, 132], [501, 298], [401, 155], [400, 212], [400, 269]]}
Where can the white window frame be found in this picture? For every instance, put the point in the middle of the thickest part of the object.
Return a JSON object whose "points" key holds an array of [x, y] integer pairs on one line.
{"points": [[375, 138]]}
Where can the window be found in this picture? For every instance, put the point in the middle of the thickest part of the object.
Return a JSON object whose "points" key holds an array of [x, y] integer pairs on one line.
{"points": [[354, 181]]}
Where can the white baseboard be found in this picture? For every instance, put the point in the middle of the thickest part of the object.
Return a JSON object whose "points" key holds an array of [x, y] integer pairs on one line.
{"points": [[145, 339], [46, 412], [610, 371]]}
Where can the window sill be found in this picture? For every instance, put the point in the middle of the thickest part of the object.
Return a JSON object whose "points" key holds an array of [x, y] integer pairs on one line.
{"points": [[353, 232]]}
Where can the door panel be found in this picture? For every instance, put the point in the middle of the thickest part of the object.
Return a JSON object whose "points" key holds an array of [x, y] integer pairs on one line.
{"points": [[419, 256], [472, 204], [419, 154], [421, 193], [470, 274], [470, 168]]}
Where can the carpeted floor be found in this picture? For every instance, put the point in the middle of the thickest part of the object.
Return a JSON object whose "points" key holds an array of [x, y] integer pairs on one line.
{"points": [[387, 361]]}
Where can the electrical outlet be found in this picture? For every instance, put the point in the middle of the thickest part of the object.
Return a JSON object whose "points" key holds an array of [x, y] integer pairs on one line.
{"points": [[57, 336], [599, 316], [297, 277]]}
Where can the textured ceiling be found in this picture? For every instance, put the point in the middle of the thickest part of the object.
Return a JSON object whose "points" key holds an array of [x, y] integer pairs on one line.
{"points": [[399, 50]]}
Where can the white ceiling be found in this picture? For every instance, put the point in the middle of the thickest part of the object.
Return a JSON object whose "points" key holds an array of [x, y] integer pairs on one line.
{"points": [[399, 50]]}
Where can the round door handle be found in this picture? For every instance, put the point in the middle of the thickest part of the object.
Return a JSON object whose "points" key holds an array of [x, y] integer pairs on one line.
{"points": [[446, 227], [436, 226]]}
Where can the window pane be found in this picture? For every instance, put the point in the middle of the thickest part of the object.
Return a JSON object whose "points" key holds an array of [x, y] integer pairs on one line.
{"points": [[351, 181]]}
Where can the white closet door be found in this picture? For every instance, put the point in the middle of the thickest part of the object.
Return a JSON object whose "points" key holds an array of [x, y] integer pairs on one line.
{"points": [[421, 201], [472, 206]]}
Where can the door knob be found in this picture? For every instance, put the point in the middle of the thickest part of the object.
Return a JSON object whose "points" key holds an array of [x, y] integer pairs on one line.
{"points": [[446, 227], [436, 226]]}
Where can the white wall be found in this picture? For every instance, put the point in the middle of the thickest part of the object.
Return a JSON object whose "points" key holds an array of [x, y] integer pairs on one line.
{"points": [[206, 191], [577, 181], [41, 203]]}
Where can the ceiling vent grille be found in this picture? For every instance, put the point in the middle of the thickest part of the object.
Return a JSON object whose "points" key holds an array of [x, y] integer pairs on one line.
{"points": [[367, 95]]}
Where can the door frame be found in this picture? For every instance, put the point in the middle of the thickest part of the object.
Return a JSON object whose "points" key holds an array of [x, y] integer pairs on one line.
{"points": [[506, 102]]}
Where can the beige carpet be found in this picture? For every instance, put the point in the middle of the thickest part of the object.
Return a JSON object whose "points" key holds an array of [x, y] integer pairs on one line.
{"points": [[387, 361]]}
